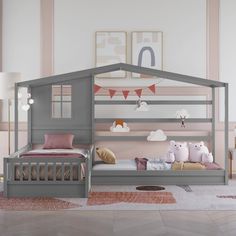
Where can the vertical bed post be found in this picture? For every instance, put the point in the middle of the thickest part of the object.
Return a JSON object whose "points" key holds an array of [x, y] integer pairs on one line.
{"points": [[29, 123], [5, 177], [226, 131], [92, 109], [89, 161], [213, 124], [93, 118], [16, 117]]}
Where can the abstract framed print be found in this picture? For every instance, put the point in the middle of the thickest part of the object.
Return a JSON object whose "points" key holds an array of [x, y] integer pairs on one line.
{"points": [[111, 48], [147, 50]]}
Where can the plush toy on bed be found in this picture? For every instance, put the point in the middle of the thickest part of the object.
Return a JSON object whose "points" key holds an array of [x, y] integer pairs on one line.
{"points": [[199, 153], [177, 152]]}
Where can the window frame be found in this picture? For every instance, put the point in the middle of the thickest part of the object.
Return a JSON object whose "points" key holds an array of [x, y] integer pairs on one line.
{"points": [[61, 101]]}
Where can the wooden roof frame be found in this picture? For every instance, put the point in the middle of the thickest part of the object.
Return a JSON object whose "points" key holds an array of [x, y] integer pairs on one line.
{"points": [[121, 66]]}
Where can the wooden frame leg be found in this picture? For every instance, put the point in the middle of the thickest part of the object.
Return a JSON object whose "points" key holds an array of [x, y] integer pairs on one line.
{"points": [[230, 165]]}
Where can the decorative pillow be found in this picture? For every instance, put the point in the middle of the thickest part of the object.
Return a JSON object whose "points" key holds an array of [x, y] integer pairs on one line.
{"points": [[212, 166], [197, 150], [180, 150], [106, 155], [58, 141], [177, 165], [193, 166]]}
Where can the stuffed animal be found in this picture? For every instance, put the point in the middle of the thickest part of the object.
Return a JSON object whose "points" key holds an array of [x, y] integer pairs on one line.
{"points": [[199, 153], [177, 152]]}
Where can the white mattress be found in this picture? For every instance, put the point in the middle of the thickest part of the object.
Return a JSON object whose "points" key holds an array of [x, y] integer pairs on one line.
{"points": [[120, 165]]}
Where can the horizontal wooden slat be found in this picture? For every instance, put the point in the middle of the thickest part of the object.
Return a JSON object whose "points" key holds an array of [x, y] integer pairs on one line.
{"points": [[144, 138], [127, 173], [157, 120], [156, 102]]}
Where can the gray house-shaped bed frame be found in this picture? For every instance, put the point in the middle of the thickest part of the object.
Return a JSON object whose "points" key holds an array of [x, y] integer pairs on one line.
{"points": [[82, 125]]}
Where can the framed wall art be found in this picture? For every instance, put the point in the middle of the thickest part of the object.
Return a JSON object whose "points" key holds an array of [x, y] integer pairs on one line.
{"points": [[147, 50], [111, 48]]}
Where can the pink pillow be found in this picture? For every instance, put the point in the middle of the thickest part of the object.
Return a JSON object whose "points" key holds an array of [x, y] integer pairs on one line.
{"points": [[58, 141], [212, 166]]}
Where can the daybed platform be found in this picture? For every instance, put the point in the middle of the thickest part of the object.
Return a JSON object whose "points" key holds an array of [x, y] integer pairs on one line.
{"points": [[125, 173], [168, 177]]}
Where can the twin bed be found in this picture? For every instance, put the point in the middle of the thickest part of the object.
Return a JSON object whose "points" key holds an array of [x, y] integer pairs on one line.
{"points": [[70, 172], [54, 172]]}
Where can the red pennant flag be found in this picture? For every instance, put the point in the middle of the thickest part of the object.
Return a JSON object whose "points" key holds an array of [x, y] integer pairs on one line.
{"points": [[125, 93], [153, 88], [96, 88], [112, 92], [138, 92]]}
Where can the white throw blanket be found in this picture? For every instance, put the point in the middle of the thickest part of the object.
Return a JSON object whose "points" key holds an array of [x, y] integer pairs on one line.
{"points": [[157, 165]]}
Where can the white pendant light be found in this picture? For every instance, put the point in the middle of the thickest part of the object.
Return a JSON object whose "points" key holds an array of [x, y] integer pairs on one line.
{"points": [[31, 101]]}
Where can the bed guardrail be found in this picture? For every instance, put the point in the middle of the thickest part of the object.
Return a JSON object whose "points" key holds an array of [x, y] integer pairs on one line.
{"points": [[47, 172]]}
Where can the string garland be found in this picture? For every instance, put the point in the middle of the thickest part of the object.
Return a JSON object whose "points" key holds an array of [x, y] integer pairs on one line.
{"points": [[125, 92]]}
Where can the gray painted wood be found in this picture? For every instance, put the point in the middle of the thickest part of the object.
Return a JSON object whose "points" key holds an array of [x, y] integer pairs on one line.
{"points": [[158, 173], [202, 177], [155, 120], [5, 176], [80, 124], [55, 188], [172, 76], [155, 102], [226, 131], [144, 138], [213, 124], [16, 117], [50, 190], [29, 121], [125, 67], [69, 76]]}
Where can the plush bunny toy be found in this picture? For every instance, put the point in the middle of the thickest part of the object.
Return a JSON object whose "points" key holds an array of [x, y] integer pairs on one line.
{"points": [[177, 152], [199, 153]]}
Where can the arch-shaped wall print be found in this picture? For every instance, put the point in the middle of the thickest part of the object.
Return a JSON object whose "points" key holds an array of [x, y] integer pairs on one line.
{"points": [[147, 50], [152, 55]]}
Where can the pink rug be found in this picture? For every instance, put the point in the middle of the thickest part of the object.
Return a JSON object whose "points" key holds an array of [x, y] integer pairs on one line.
{"points": [[103, 198], [34, 204]]}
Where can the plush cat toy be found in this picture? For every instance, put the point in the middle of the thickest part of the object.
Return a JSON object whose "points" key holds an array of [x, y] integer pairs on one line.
{"points": [[199, 153], [177, 152]]}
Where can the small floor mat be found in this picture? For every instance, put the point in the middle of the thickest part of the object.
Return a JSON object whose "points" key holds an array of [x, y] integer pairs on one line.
{"points": [[150, 188], [103, 198], [34, 204]]}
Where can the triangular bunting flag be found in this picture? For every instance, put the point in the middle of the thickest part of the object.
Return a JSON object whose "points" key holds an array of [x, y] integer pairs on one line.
{"points": [[153, 88], [125, 93], [112, 92], [96, 88], [138, 92]]}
